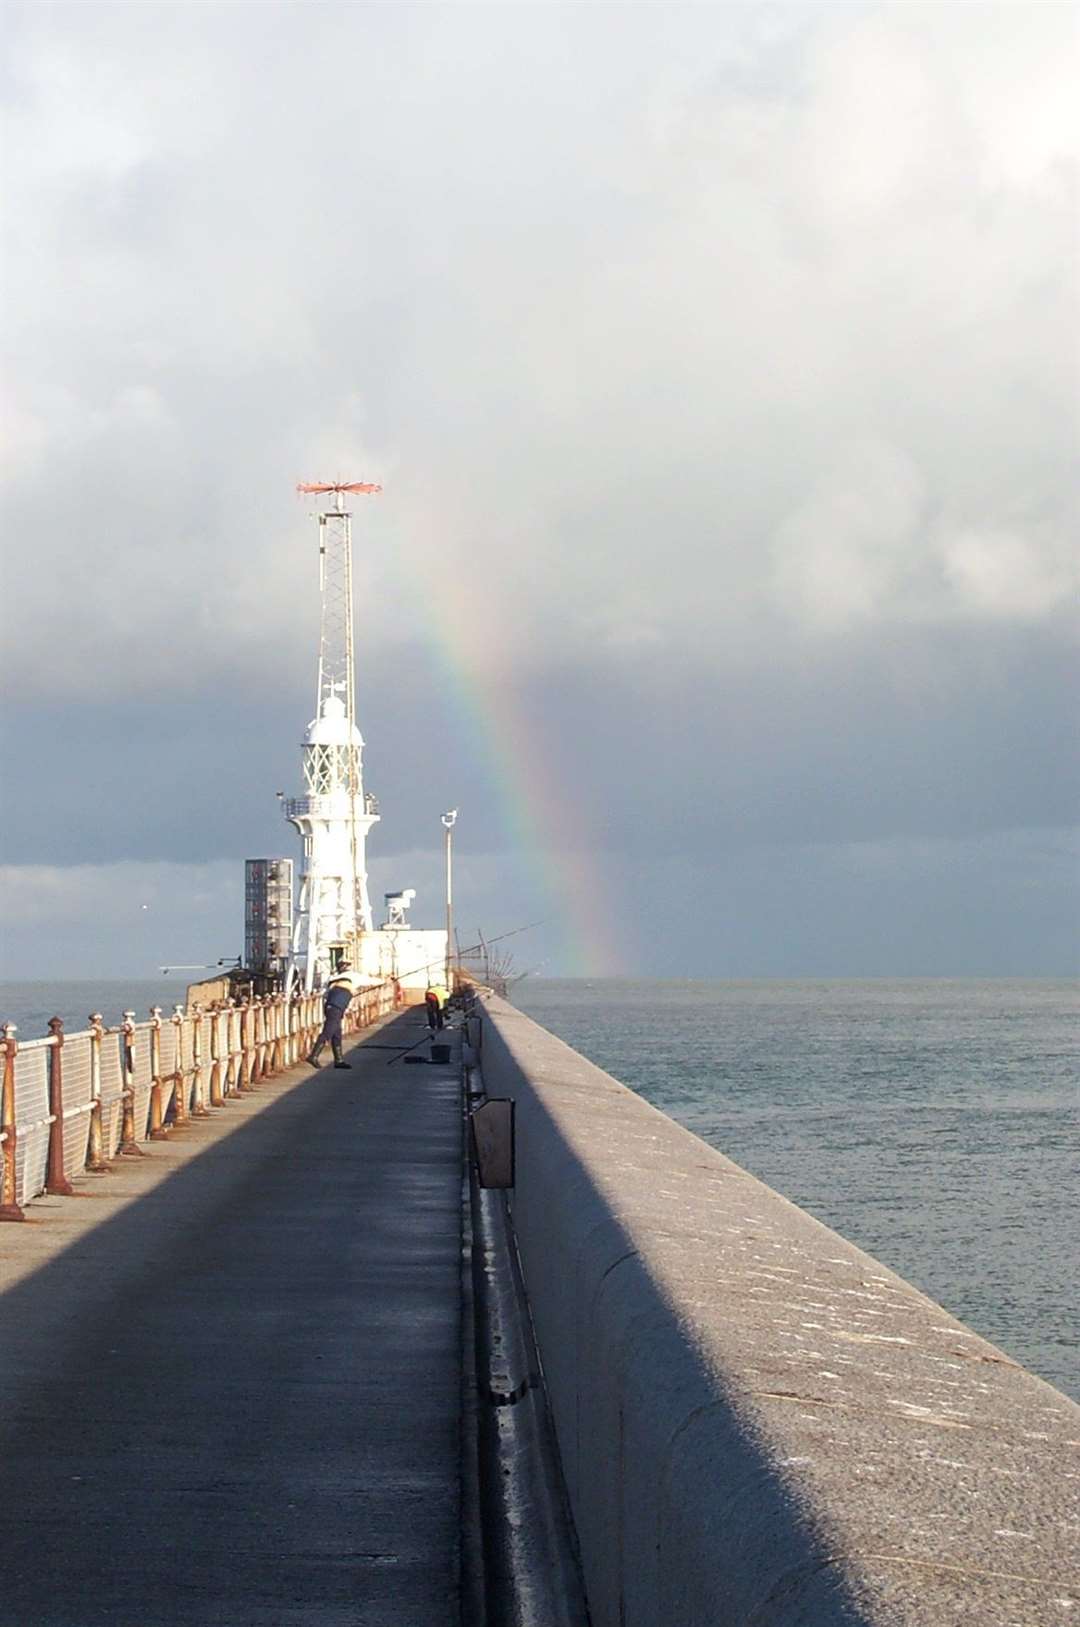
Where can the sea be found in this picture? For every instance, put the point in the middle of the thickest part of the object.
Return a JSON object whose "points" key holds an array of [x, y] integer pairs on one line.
{"points": [[933, 1123], [31, 1005]]}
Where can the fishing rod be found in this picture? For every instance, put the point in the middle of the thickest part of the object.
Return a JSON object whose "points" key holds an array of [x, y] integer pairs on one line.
{"points": [[202, 966], [426, 965], [415, 1046], [530, 971]]}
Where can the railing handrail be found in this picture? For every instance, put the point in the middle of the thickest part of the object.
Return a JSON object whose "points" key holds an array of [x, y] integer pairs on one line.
{"points": [[208, 1065]]}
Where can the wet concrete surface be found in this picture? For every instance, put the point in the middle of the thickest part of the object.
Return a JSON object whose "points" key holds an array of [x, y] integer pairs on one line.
{"points": [[235, 1398]]}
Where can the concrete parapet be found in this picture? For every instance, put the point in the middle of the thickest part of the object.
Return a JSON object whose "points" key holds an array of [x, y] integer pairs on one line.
{"points": [[760, 1424]]}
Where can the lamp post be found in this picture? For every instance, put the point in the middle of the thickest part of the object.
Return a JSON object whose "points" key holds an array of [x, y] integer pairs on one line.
{"points": [[448, 821]]}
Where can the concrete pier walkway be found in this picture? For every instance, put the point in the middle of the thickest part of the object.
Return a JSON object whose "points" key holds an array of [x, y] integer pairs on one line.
{"points": [[230, 1371]]}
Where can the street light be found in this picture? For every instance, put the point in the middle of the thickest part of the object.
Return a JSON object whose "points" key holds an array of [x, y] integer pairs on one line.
{"points": [[448, 820]]}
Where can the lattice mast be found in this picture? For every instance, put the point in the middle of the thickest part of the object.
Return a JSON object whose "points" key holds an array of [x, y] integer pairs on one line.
{"points": [[335, 815], [336, 665]]}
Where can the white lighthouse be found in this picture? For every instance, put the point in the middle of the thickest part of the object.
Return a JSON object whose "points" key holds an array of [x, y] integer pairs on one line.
{"points": [[335, 813]]}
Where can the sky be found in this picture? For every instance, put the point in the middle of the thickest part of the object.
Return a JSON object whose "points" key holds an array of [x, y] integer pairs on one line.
{"points": [[720, 367]]}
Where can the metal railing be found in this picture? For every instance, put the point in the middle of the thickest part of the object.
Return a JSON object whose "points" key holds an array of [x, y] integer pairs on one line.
{"points": [[326, 802], [73, 1102]]}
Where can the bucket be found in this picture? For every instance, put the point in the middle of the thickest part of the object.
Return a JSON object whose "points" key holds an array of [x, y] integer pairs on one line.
{"points": [[440, 1053]]}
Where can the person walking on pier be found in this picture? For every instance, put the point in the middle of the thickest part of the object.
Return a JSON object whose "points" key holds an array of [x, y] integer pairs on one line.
{"points": [[339, 993]]}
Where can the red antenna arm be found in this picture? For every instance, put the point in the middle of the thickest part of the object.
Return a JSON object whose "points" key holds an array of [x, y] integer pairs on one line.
{"points": [[341, 485]]}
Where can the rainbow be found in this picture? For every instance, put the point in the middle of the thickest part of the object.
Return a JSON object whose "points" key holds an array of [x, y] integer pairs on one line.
{"points": [[541, 821]]}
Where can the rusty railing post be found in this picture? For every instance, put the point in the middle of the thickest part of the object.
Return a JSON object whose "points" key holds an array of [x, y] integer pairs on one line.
{"points": [[200, 1109], [56, 1181], [129, 1147], [261, 1067], [230, 1085], [95, 1148], [251, 1045], [262, 1028], [288, 1031], [296, 1028], [239, 1079], [269, 1036], [217, 1098], [255, 1039], [245, 1086], [9, 1208], [180, 1106], [251, 1042], [281, 1057], [158, 1132]]}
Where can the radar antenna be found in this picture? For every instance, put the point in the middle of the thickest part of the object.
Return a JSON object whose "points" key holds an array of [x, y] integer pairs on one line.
{"points": [[338, 486]]}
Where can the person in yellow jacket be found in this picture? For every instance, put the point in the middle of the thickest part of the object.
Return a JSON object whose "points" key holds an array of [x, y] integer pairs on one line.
{"points": [[339, 993], [435, 1000]]}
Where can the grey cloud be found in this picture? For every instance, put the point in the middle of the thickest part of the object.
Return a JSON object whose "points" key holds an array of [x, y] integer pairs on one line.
{"points": [[916, 736], [786, 307], [717, 363], [1002, 905]]}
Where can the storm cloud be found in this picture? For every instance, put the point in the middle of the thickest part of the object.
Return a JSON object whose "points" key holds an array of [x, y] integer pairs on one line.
{"points": [[720, 367]]}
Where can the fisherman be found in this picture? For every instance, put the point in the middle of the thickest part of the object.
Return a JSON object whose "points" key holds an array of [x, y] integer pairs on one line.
{"points": [[339, 993], [435, 999]]}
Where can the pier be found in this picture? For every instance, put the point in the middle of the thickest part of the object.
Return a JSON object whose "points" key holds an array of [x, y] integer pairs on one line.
{"points": [[261, 1360], [231, 1368]]}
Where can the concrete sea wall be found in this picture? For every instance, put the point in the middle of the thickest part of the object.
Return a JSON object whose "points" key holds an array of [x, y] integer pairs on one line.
{"points": [[759, 1423]]}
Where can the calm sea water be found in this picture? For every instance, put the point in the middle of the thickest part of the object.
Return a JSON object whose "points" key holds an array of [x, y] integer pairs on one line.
{"points": [[933, 1123], [30, 1005]]}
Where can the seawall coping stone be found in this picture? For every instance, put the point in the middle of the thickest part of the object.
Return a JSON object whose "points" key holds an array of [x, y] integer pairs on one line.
{"points": [[759, 1422]]}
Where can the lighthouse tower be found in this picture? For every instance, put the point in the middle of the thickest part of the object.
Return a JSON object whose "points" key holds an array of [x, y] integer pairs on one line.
{"points": [[335, 813]]}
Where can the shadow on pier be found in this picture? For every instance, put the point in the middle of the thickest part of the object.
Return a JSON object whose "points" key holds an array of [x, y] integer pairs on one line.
{"points": [[237, 1400]]}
